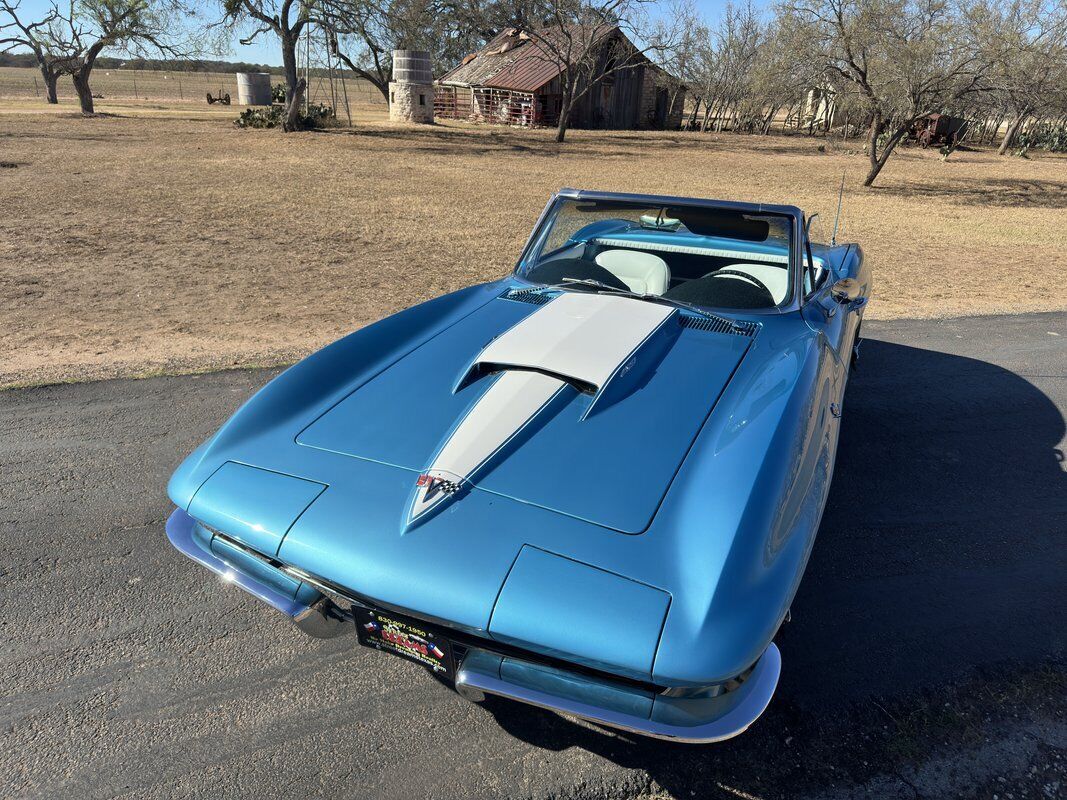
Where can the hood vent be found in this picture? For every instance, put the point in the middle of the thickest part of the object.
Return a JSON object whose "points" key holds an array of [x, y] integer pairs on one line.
{"points": [[536, 297], [716, 325]]}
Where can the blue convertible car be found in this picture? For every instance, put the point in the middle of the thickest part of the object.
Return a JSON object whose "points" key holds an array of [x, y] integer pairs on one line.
{"points": [[591, 486]]}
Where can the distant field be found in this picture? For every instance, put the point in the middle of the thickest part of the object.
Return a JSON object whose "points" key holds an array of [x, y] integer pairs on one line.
{"points": [[159, 237], [126, 84]]}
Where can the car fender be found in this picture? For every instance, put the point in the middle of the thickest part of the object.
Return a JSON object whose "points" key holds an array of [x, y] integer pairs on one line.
{"points": [[325, 377], [745, 509]]}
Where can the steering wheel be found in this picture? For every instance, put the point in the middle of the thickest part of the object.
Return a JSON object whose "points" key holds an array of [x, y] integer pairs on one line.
{"points": [[738, 273]]}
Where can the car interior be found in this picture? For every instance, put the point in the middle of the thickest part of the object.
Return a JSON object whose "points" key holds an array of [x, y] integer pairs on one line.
{"points": [[708, 264]]}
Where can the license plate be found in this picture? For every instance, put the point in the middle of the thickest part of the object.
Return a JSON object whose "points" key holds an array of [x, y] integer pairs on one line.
{"points": [[405, 637]]}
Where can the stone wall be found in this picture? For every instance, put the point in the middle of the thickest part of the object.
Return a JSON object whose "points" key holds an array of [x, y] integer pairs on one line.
{"points": [[411, 102], [654, 80]]}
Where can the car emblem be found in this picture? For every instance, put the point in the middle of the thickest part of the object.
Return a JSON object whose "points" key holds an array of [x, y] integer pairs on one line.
{"points": [[432, 491], [432, 484]]}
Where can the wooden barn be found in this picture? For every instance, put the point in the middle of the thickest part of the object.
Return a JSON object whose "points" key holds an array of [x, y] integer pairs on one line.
{"points": [[514, 81]]}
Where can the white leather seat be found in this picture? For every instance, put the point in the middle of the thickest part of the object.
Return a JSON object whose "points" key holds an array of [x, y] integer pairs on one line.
{"points": [[643, 273], [776, 279]]}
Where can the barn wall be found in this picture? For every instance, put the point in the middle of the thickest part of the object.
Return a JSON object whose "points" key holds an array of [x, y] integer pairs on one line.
{"points": [[656, 88], [613, 103], [640, 96]]}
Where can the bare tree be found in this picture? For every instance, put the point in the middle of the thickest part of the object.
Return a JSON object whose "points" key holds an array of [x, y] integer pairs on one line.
{"points": [[469, 24], [680, 59], [591, 40], [736, 46], [286, 20], [903, 58], [363, 33], [77, 32], [1025, 42], [17, 33]]}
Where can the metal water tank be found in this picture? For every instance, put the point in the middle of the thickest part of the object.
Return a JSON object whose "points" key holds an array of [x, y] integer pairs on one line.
{"points": [[253, 88], [412, 66]]}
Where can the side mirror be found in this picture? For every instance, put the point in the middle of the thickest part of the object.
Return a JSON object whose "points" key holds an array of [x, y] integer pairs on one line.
{"points": [[846, 291]]}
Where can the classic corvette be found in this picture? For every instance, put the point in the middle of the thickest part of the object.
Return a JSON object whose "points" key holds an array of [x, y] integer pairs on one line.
{"points": [[591, 486]]}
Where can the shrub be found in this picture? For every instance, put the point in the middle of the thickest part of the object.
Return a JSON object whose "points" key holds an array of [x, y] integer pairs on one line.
{"points": [[1046, 136], [318, 116]]}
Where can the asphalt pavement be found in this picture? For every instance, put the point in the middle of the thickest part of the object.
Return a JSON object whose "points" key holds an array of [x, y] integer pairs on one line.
{"points": [[128, 670]]}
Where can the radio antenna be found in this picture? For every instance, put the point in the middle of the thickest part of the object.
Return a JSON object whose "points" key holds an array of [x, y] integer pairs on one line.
{"points": [[837, 219]]}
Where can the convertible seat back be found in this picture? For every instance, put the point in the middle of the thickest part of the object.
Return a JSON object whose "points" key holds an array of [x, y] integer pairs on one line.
{"points": [[644, 273]]}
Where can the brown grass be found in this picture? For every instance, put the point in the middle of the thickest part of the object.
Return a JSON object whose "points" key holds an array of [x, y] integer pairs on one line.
{"points": [[187, 88], [162, 239]]}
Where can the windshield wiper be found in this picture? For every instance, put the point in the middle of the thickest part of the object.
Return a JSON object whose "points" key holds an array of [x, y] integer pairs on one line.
{"points": [[568, 282], [658, 298]]}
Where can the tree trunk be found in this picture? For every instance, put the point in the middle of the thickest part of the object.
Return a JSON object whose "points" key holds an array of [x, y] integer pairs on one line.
{"points": [[1009, 137], [691, 123], [51, 78], [564, 119], [294, 84], [956, 141], [709, 107], [765, 123], [878, 161], [81, 86], [379, 79]]}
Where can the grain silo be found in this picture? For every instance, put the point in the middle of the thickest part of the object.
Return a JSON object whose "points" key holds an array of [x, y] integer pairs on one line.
{"points": [[253, 88], [411, 90]]}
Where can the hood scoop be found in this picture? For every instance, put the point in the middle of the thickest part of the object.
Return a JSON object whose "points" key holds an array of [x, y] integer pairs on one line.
{"points": [[576, 343], [594, 342]]}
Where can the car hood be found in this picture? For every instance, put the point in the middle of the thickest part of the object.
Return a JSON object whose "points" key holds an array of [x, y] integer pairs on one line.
{"points": [[578, 403]]}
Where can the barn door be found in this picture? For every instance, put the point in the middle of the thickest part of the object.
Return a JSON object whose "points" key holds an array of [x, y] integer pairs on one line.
{"points": [[662, 107]]}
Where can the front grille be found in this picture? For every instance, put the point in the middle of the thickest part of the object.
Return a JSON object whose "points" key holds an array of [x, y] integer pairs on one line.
{"points": [[345, 598]]}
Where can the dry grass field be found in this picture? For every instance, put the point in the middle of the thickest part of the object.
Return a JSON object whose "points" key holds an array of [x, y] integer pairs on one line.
{"points": [[159, 238], [158, 85]]}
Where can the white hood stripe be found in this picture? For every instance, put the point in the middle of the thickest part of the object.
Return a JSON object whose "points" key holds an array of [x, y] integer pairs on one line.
{"points": [[583, 337], [506, 408]]}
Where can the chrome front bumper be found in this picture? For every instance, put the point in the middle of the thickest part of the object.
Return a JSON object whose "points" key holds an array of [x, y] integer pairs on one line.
{"points": [[697, 720], [687, 720]]}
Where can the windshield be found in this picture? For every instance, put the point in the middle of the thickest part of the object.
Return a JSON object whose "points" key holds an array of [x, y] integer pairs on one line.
{"points": [[698, 255]]}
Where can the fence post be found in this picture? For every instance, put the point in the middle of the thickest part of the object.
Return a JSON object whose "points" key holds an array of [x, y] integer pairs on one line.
{"points": [[36, 88], [180, 95]]}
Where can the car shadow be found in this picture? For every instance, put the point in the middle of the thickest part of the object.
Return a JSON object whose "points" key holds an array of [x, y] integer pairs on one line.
{"points": [[940, 558]]}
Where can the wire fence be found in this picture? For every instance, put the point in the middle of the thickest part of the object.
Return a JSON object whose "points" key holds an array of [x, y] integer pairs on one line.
{"points": [[193, 87]]}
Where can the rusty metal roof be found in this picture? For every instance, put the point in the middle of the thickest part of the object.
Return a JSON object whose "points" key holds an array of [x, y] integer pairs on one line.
{"points": [[527, 73], [486, 62], [512, 60]]}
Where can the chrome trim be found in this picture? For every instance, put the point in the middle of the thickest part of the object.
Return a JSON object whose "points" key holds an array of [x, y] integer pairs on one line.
{"points": [[756, 692], [180, 532], [323, 620]]}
